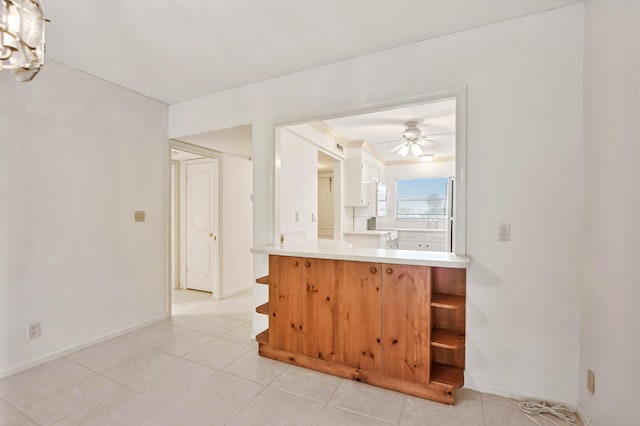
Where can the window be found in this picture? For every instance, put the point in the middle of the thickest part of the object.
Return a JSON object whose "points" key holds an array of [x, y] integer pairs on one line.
{"points": [[421, 198]]}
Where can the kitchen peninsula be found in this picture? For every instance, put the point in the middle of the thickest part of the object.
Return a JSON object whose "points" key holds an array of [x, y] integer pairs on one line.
{"points": [[389, 318]]}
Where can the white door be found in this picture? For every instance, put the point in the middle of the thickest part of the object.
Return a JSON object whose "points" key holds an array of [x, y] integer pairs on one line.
{"points": [[325, 207], [175, 208], [201, 218]]}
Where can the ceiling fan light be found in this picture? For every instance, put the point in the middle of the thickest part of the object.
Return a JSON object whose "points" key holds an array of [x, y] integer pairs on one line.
{"points": [[416, 150], [425, 157], [411, 133], [21, 37], [404, 150]]}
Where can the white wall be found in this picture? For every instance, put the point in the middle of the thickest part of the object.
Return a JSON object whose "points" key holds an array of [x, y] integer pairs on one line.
{"points": [[78, 156], [298, 187], [609, 337], [236, 227], [524, 136]]}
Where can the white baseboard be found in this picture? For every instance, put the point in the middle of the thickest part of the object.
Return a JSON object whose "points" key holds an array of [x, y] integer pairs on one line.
{"points": [[584, 412], [512, 393], [233, 293], [50, 357]]}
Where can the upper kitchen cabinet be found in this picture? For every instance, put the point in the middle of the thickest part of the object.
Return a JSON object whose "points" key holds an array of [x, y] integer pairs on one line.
{"points": [[356, 183], [376, 174], [360, 169]]}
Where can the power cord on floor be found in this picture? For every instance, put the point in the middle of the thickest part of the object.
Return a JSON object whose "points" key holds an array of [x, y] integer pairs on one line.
{"points": [[535, 408]]}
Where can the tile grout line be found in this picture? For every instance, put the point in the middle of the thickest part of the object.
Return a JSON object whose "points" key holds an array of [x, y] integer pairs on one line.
{"points": [[96, 372], [404, 404], [247, 404], [20, 411], [343, 380], [92, 402]]}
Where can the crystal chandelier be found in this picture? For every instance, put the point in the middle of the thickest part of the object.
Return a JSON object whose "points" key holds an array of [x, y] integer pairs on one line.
{"points": [[21, 37]]}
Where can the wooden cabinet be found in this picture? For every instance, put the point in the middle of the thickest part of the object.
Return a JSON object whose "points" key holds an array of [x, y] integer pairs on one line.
{"points": [[285, 303], [406, 296], [448, 303], [400, 327], [340, 312]]}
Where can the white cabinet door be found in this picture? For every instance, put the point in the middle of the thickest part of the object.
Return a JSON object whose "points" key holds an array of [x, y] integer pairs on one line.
{"points": [[374, 174], [356, 186]]}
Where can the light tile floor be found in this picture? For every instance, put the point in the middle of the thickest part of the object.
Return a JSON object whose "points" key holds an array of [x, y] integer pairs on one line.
{"points": [[201, 368]]}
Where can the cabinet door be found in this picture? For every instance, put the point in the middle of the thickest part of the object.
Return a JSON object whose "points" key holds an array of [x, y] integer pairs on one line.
{"points": [[341, 312], [374, 174], [406, 312], [285, 303], [355, 184]]}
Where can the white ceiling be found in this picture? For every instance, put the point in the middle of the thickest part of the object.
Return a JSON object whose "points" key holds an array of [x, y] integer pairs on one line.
{"points": [[179, 50], [383, 130]]}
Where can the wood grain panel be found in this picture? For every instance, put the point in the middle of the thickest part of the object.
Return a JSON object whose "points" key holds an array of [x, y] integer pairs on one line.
{"points": [[285, 303], [341, 312], [439, 390], [452, 319], [406, 312], [449, 281], [447, 301], [263, 309], [452, 357]]}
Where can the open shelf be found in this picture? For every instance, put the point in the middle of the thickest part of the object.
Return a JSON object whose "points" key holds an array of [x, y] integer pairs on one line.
{"points": [[263, 337], [447, 375], [263, 280], [263, 309], [448, 339], [447, 301]]}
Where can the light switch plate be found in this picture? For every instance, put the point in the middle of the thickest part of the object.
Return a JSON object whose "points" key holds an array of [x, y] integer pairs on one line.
{"points": [[139, 216], [591, 381]]}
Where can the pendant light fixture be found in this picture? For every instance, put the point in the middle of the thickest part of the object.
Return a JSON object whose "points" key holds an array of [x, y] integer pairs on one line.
{"points": [[21, 37]]}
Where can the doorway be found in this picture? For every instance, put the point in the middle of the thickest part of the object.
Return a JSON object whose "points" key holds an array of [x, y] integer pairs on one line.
{"points": [[194, 221], [327, 193]]}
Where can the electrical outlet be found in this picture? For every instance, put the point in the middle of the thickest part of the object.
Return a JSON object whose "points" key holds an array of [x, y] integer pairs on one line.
{"points": [[591, 381], [504, 232], [34, 330]]}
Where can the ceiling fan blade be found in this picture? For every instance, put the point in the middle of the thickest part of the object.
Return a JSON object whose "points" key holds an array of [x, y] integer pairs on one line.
{"points": [[426, 142], [416, 150], [398, 147], [404, 150]]}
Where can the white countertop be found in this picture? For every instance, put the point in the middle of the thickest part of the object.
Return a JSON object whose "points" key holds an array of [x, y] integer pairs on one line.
{"points": [[342, 250], [379, 232]]}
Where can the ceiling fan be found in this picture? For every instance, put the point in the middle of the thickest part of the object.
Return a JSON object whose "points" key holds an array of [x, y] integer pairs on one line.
{"points": [[412, 141]]}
